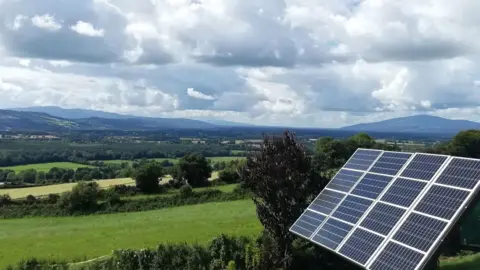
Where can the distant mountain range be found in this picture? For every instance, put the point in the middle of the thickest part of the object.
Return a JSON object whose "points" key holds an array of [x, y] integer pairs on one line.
{"points": [[51, 118], [77, 119], [107, 120], [417, 124]]}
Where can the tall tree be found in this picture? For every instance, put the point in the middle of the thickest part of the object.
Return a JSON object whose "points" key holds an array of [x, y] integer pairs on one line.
{"points": [[282, 181], [194, 169], [147, 176]]}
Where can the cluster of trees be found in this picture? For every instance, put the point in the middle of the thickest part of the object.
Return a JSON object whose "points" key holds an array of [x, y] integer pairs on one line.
{"points": [[63, 175], [21, 152]]}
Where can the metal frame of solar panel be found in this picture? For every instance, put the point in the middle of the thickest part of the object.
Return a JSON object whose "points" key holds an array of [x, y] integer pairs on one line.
{"points": [[384, 229]]}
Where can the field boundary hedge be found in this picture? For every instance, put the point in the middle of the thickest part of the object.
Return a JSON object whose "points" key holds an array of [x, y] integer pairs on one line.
{"points": [[43, 209]]}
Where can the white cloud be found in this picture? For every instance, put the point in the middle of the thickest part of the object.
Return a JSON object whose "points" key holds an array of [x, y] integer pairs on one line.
{"points": [[299, 62], [199, 95], [24, 62], [18, 22], [46, 22], [87, 29]]}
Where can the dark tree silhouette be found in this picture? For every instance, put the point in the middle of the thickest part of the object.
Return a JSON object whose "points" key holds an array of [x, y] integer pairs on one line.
{"points": [[282, 181]]}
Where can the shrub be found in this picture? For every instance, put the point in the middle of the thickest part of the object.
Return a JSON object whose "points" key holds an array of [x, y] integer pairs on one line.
{"points": [[53, 198], [186, 191], [111, 196], [82, 198], [31, 199], [5, 199]]}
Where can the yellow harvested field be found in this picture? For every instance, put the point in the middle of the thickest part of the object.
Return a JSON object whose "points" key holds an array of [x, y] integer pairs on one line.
{"points": [[17, 193]]}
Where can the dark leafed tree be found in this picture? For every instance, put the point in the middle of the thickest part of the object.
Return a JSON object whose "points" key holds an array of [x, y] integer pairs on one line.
{"points": [[147, 176], [282, 181], [193, 169]]}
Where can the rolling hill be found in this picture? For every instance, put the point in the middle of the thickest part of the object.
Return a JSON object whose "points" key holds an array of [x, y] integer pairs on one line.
{"points": [[39, 121], [86, 113], [417, 124]]}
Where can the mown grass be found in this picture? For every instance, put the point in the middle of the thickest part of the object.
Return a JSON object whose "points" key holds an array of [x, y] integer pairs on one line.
{"points": [[45, 167], [17, 193], [87, 237], [175, 160]]}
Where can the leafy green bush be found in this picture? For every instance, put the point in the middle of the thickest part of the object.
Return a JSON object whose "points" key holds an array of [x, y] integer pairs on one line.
{"points": [[82, 198], [186, 191]]}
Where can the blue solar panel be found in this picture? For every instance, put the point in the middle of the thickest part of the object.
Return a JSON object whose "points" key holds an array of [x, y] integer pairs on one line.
{"points": [[362, 159], [371, 185], [390, 163], [397, 257], [403, 192], [332, 233], [464, 173], [419, 231], [382, 218], [423, 166], [326, 201], [361, 245], [344, 180], [308, 223], [405, 217], [442, 201], [352, 209]]}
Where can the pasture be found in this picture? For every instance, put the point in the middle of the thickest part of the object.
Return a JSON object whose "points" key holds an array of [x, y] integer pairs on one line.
{"points": [[87, 237], [17, 193], [45, 167], [175, 160]]}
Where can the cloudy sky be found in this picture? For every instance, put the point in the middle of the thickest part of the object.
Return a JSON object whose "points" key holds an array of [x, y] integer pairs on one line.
{"points": [[317, 63]]}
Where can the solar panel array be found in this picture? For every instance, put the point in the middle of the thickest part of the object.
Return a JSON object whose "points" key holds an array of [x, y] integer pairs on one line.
{"points": [[390, 210]]}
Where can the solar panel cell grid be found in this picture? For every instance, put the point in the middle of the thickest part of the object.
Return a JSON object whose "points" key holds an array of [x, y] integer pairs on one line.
{"points": [[390, 163], [362, 159], [371, 185], [397, 257], [442, 201], [419, 231], [344, 180], [423, 166], [326, 201], [384, 240], [308, 223], [352, 209], [464, 173], [403, 192], [382, 218], [332, 233], [361, 245]]}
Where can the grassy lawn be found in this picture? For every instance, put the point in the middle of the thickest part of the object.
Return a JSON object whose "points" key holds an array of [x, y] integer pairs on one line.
{"points": [[174, 160], [45, 167], [86, 237], [16, 193]]}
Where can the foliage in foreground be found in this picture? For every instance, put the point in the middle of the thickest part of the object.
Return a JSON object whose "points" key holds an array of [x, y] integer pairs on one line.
{"points": [[223, 252]]}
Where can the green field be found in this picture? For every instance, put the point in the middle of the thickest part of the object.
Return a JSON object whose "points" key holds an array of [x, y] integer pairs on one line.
{"points": [[174, 160], [17, 193], [86, 237], [45, 167]]}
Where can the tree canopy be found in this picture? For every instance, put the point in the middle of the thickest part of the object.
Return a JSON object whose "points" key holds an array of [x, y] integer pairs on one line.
{"points": [[282, 181]]}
